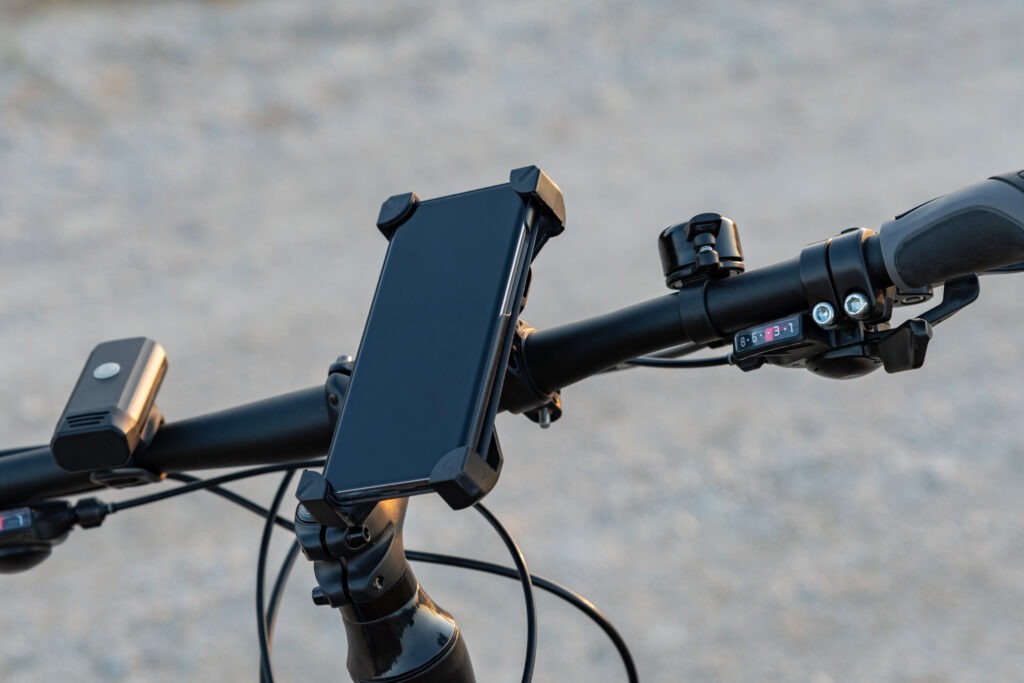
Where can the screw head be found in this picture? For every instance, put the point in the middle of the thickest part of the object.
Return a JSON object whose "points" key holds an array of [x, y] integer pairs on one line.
{"points": [[823, 313], [303, 514], [357, 537], [856, 304]]}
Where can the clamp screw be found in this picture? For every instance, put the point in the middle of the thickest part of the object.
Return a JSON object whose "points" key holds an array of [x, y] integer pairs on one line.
{"points": [[320, 597], [824, 314], [545, 417], [856, 305], [357, 537], [303, 514]]}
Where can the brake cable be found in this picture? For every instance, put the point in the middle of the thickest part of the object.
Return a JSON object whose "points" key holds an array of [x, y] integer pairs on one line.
{"points": [[269, 612], [651, 362], [262, 626]]}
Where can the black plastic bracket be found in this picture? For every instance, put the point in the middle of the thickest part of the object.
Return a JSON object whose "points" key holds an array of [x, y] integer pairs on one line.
{"points": [[125, 477], [832, 270], [529, 182], [532, 183], [314, 492], [850, 273], [394, 211], [519, 393], [815, 277]]}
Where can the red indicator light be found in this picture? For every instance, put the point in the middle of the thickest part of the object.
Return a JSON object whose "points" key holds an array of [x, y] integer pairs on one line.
{"points": [[2, 523], [769, 334]]}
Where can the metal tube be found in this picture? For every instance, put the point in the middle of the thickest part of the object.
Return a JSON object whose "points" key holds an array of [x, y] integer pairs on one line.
{"points": [[294, 426]]}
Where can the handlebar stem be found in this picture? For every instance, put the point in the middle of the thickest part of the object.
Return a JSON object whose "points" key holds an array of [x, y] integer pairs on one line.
{"points": [[396, 633]]}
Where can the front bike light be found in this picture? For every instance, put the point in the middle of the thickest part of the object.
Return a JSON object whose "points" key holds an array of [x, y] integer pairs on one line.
{"points": [[110, 412]]}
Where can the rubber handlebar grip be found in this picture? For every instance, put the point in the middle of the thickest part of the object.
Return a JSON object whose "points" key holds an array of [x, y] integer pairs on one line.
{"points": [[972, 230]]}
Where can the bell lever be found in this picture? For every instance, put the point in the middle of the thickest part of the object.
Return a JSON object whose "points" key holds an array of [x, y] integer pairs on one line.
{"points": [[956, 294]]}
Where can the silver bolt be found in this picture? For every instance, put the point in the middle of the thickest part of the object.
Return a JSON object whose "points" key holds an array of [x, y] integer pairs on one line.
{"points": [[824, 314], [856, 304], [545, 417]]}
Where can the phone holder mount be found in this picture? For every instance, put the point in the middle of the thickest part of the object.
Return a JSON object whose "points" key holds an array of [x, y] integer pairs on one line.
{"points": [[538, 202], [395, 631]]}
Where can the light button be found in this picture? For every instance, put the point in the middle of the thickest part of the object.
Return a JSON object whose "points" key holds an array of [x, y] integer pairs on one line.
{"points": [[106, 371]]}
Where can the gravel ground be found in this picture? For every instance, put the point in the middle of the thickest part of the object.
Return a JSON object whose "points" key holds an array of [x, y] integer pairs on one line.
{"points": [[208, 174]]}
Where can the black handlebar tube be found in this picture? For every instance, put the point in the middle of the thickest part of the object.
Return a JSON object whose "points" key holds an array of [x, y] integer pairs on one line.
{"points": [[293, 426], [567, 354], [971, 230], [300, 425]]}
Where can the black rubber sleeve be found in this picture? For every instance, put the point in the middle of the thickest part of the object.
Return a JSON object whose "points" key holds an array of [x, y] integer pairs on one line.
{"points": [[972, 230]]}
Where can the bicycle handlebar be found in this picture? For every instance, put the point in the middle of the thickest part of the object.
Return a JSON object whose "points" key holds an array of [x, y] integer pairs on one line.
{"points": [[974, 229], [294, 426]]}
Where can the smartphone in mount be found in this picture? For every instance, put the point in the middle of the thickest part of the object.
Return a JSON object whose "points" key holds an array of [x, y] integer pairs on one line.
{"points": [[419, 412]]}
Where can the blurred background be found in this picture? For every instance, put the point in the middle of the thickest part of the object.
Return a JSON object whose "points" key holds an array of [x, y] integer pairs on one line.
{"points": [[208, 174]]}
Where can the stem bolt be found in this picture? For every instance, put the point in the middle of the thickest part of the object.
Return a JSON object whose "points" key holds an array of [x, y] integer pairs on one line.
{"points": [[545, 417], [824, 314], [319, 596], [304, 515], [856, 305], [357, 537]]}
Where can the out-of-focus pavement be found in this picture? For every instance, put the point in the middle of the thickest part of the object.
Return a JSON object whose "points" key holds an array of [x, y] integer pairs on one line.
{"points": [[208, 174]]}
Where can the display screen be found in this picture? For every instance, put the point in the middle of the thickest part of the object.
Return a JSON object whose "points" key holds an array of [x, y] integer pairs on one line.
{"points": [[757, 339], [15, 520]]}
